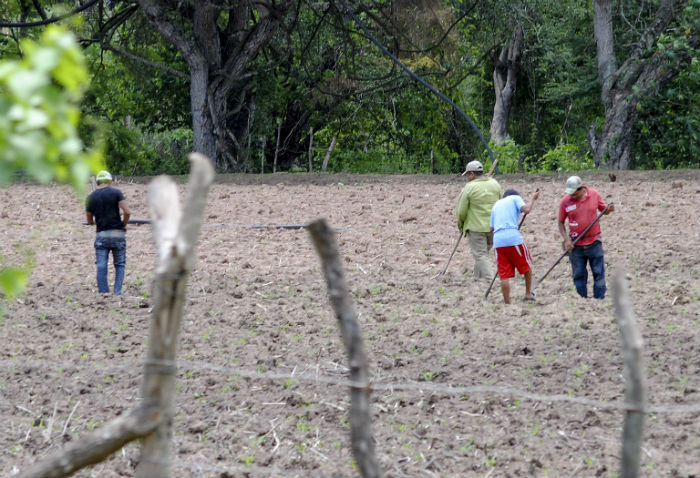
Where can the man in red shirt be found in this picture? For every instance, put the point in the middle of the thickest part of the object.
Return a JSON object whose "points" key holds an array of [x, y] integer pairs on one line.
{"points": [[580, 206]]}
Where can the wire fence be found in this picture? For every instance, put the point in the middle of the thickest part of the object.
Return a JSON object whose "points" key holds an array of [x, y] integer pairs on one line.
{"points": [[183, 366]]}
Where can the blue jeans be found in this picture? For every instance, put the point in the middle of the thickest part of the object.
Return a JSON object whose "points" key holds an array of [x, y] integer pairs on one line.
{"points": [[103, 245], [593, 254]]}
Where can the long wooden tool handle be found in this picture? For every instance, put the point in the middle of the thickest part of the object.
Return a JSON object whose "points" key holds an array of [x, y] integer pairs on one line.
{"points": [[453, 253]]}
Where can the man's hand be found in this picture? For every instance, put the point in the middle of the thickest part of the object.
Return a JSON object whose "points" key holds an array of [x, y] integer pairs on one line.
{"points": [[610, 209], [568, 243]]}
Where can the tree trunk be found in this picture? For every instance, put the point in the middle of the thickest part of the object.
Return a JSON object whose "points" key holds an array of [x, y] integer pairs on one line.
{"points": [[504, 82], [218, 50], [603, 32], [612, 147], [202, 127], [640, 72], [328, 154]]}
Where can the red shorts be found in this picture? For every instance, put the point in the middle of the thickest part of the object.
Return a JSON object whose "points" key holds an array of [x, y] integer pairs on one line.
{"points": [[510, 258]]}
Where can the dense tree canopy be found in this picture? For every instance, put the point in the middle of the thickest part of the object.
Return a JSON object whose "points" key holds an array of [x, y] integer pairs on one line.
{"points": [[258, 85]]}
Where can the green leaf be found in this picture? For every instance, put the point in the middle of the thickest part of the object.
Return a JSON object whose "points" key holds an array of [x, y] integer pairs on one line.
{"points": [[13, 280]]}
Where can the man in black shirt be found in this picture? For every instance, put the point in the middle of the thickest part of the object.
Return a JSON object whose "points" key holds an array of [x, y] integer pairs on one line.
{"points": [[102, 208]]}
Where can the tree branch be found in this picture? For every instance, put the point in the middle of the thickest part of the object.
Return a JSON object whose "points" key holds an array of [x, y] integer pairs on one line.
{"points": [[98, 445], [146, 62]]}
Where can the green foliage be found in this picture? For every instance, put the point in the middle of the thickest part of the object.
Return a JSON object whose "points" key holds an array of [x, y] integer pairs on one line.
{"points": [[507, 154], [667, 133], [40, 98], [133, 152], [565, 157], [40, 111]]}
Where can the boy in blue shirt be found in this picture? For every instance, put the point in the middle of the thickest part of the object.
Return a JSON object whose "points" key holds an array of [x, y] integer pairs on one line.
{"points": [[508, 244]]}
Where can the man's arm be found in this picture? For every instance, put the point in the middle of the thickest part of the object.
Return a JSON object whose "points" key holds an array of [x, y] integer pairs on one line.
{"points": [[90, 218], [567, 240], [528, 207], [462, 208], [126, 213]]}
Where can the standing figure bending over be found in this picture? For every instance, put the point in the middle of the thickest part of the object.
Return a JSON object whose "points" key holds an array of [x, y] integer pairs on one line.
{"points": [[511, 251], [580, 206]]}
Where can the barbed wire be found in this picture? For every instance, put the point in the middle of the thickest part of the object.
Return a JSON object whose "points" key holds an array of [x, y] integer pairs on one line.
{"points": [[421, 387]]}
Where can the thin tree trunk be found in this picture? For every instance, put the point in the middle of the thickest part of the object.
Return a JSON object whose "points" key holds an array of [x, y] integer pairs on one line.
{"points": [[311, 148], [263, 140], [504, 83], [277, 146], [328, 154]]}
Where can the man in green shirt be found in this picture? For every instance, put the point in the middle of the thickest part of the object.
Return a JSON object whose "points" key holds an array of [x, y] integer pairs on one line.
{"points": [[474, 213]]}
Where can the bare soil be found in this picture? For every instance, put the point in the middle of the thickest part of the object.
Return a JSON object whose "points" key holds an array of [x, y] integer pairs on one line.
{"points": [[462, 386]]}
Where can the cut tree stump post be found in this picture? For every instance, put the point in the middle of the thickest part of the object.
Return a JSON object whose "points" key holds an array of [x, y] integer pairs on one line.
{"points": [[360, 416], [635, 380], [175, 234]]}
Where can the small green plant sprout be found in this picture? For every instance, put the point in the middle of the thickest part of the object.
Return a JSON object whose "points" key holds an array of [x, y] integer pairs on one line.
{"points": [[490, 462], [290, 383], [302, 424], [247, 460], [581, 371], [683, 382], [429, 376]]}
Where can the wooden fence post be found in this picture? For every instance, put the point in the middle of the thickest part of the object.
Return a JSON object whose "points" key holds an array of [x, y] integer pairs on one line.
{"points": [[360, 417], [175, 233], [635, 380]]}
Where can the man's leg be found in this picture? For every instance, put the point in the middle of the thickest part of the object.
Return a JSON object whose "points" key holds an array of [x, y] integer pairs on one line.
{"points": [[505, 288], [479, 245], [578, 268], [528, 284], [101, 259], [119, 255], [595, 256]]}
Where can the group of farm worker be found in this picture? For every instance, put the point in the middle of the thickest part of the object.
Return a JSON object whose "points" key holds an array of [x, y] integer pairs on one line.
{"points": [[489, 219]]}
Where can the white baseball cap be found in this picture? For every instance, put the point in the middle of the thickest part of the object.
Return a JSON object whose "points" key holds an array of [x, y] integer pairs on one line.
{"points": [[103, 176], [474, 166], [572, 184]]}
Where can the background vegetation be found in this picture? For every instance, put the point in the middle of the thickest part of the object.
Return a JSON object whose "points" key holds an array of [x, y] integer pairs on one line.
{"points": [[317, 72]]}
